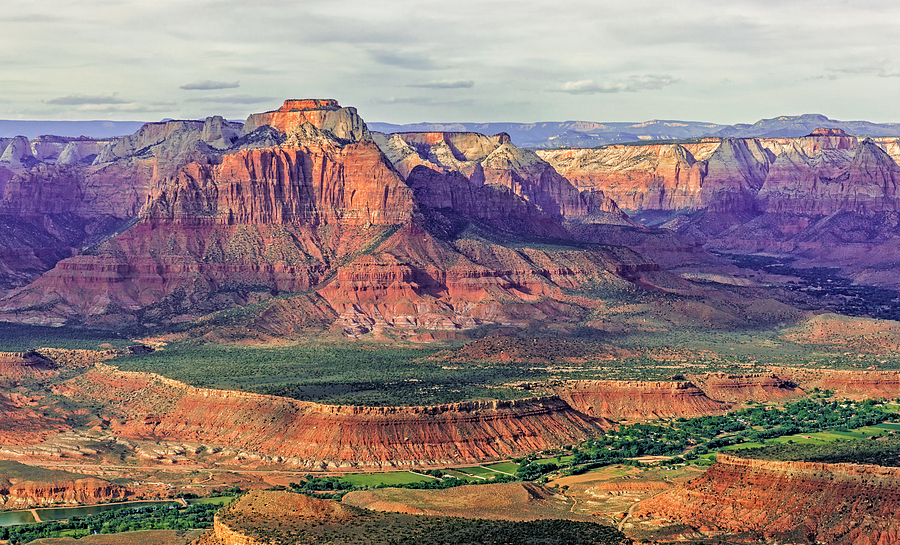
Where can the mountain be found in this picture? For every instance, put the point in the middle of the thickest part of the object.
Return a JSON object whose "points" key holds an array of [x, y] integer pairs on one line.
{"points": [[828, 198], [553, 134], [590, 134], [213, 215], [92, 129]]}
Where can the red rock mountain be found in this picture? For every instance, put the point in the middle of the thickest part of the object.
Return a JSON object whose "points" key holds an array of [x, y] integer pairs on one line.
{"points": [[828, 198], [307, 201]]}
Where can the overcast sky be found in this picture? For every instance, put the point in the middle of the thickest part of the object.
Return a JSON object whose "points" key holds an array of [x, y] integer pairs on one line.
{"points": [[408, 61]]}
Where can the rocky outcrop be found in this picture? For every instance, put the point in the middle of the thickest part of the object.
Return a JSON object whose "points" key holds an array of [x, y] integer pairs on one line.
{"points": [[638, 400], [29, 494], [827, 198], [252, 220], [743, 388], [325, 115], [484, 160], [275, 429], [246, 521], [801, 502], [17, 365]]}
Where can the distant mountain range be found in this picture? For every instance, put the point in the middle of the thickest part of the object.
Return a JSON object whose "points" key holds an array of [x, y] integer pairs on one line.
{"points": [[588, 134], [550, 134], [93, 129]]}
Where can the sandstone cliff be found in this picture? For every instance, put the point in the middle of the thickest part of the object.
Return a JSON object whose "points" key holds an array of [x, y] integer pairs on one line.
{"points": [[800, 502], [827, 198], [241, 426], [494, 160], [29, 494], [638, 400]]}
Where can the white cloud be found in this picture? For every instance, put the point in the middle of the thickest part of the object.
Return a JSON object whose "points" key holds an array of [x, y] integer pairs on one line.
{"points": [[632, 84]]}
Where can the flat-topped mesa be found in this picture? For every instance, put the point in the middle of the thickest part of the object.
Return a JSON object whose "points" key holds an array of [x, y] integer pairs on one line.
{"points": [[638, 400], [296, 105], [324, 114], [822, 131], [322, 436]]}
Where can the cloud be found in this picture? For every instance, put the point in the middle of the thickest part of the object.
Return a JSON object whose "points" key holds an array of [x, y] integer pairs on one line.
{"points": [[633, 84], [232, 99], [209, 85], [880, 69], [77, 100], [410, 61], [422, 101], [445, 84]]}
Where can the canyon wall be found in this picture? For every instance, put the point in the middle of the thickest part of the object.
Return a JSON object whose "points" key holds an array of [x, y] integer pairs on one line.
{"points": [[637, 400], [822, 173], [799, 502], [30, 494], [283, 430]]}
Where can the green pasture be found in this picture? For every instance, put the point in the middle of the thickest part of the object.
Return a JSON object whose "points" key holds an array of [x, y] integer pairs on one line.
{"points": [[504, 467], [385, 479]]}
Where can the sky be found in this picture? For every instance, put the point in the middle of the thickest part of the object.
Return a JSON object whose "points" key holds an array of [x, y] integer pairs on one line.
{"points": [[404, 61]]}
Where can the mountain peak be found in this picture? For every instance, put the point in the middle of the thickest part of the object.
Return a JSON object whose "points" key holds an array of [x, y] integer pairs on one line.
{"points": [[299, 105]]}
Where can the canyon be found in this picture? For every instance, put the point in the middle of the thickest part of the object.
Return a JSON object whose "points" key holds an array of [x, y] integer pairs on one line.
{"points": [[185, 218], [303, 223]]}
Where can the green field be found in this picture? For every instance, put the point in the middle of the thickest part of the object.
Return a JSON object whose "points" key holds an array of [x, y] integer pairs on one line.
{"points": [[885, 426], [478, 472], [384, 479], [213, 500], [504, 467]]}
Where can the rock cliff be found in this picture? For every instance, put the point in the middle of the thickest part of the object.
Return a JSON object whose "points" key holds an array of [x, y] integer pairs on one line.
{"points": [[275, 429], [638, 400], [800, 502], [495, 161], [828, 198], [30, 494], [322, 209]]}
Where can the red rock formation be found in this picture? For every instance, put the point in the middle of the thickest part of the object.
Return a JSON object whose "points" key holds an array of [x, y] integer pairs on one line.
{"points": [[325, 115], [255, 219], [636, 400], [240, 522], [18, 365], [866, 384], [797, 501], [29, 494], [295, 105], [22, 422], [743, 388], [312, 435], [495, 160]]}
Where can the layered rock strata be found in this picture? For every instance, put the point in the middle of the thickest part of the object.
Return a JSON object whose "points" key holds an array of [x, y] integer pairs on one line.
{"points": [[29, 494], [319, 436], [800, 502], [637, 400]]}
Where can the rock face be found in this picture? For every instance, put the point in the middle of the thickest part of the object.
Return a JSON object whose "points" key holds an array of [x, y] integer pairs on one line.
{"points": [[320, 436], [325, 115], [636, 400], [319, 209], [58, 195], [493, 161], [828, 198], [800, 502], [743, 388], [29, 494]]}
